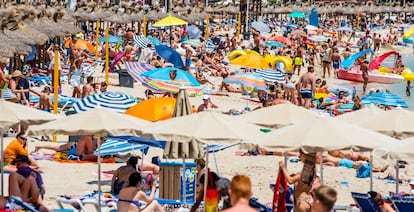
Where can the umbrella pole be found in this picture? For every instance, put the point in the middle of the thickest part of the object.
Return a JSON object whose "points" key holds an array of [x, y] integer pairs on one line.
{"points": [[99, 173], [183, 184], [371, 182], [397, 168], [321, 162], [206, 177], [286, 158], [2, 131], [215, 162]]}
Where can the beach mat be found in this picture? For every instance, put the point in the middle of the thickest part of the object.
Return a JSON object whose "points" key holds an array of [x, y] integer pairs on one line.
{"points": [[105, 160]]}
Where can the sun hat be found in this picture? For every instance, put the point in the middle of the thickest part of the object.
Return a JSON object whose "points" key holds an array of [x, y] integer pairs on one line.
{"points": [[16, 73]]}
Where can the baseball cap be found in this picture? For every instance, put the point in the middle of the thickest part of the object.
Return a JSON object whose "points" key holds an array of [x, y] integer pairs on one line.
{"points": [[411, 181], [205, 97]]}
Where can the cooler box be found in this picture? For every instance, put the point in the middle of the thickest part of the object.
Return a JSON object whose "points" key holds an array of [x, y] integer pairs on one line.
{"points": [[172, 184], [125, 80]]}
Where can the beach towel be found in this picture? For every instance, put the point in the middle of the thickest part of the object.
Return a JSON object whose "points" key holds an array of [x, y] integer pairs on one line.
{"points": [[279, 195], [212, 195], [104, 160]]}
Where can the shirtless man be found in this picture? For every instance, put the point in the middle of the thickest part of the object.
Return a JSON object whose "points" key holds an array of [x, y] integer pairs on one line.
{"points": [[188, 55], [207, 104], [336, 59], [88, 88], [45, 103], [307, 86], [349, 154], [233, 41], [364, 68], [298, 60], [256, 41]]}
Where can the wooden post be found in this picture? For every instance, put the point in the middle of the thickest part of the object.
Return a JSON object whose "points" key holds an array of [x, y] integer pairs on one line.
{"points": [[207, 30], [107, 54], [145, 26], [55, 86], [97, 40]]}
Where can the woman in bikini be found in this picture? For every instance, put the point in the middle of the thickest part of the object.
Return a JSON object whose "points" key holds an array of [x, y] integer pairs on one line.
{"points": [[130, 197]]}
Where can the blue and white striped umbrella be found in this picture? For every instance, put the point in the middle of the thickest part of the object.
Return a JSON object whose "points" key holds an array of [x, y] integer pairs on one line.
{"points": [[115, 146], [384, 98], [115, 101], [270, 75], [141, 41]]}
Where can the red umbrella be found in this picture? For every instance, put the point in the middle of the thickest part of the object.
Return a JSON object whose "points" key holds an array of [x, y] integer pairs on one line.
{"points": [[282, 39]]}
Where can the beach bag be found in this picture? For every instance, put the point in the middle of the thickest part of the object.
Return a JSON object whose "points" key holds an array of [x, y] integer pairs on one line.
{"points": [[212, 195], [364, 171]]}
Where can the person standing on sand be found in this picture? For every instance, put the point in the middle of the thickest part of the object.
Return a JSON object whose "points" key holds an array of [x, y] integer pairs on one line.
{"points": [[240, 193], [306, 87], [408, 88], [364, 68]]}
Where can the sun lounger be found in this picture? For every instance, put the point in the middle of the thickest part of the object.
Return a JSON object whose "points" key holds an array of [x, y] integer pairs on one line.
{"points": [[365, 202], [403, 203], [79, 202], [25, 205]]}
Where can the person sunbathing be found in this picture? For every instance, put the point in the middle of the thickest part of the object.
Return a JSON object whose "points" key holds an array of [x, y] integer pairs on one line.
{"points": [[121, 176], [229, 88], [345, 162], [349, 154], [130, 196], [83, 149], [45, 102]]}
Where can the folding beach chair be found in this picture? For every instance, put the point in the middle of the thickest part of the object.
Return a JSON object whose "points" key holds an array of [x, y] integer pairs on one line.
{"points": [[403, 204], [365, 202], [25, 205]]}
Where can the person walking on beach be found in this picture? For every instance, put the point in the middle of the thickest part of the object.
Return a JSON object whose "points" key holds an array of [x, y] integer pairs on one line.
{"points": [[364, 68], [408, 88], [306, 87], [240, 193]]}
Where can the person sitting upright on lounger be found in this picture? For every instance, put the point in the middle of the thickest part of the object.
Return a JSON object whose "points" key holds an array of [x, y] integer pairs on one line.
{"points": [[121, 176], [130, 196]]}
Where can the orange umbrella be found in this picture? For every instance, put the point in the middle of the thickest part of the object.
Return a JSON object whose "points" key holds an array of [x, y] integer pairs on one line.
{"points": [[282, 39], [154, 109], [81, 44]]}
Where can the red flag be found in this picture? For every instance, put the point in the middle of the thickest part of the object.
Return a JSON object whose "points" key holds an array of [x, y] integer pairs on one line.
{"points": [[279, 196]]}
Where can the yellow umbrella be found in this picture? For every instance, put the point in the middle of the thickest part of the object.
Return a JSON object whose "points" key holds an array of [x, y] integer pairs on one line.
{"points": [[154, 109], [251, 61], [169, 21]]}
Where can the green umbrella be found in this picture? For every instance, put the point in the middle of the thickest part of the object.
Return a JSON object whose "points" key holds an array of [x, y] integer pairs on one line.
{"points": [[297, 14]]}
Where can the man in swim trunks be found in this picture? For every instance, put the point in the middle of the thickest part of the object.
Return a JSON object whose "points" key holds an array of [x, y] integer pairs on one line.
{"points": [[364, 68], [188, 55], [336, 59], [298, 60], [306, 87]]}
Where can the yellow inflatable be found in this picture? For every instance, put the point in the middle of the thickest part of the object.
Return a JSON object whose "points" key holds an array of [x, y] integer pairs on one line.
{"points": [[408, 75], [236, 53], [408, 33], [384, 70], [287, 61], [321, 95], [249, 51]]}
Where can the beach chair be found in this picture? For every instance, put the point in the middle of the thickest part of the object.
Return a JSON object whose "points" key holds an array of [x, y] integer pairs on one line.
{"points": [[25, 205], [365, 202], [403, 204], [79, 202], [258, 206]]}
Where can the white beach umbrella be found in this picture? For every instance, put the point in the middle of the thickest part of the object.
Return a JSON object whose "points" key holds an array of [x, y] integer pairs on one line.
{"points": [[360, 115], [321, 134], [97, 121], [282, 115], [397, 122], [12, 113]]}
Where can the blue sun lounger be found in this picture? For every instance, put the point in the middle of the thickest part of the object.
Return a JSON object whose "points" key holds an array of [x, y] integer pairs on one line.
{"points": [[403, 203], [365, 202], [25, 205]]}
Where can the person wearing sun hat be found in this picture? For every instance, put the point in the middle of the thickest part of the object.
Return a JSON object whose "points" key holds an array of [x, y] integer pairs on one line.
{"points": [[207, 104], [13, 93]]}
